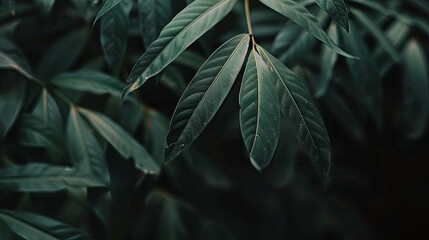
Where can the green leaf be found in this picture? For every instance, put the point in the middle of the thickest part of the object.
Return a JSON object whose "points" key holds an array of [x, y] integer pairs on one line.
{"points": [[190, 24], [302, 114], [155, 131], [174, 80], [113, 34], [62, 54], [378, 34], [126, 145], [301, 16], [337, 9], [11, 57], [107, 6], [190, 59], [11, 5], [259, 111], [329, 58], [153, 16], [45, 5], [205, 94], [87, 80], [37, 177], [12, 96], [47, 109], [415, 109], [33, 226], [84, 150]]}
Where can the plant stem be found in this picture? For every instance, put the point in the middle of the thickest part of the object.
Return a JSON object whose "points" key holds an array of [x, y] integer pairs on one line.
{"points": [[247, 12]]}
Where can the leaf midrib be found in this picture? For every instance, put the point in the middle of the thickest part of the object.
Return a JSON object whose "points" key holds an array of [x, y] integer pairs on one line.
{"points": [[258, 115]]}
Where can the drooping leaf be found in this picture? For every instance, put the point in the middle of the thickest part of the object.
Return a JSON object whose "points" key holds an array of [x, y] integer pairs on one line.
{"points": [[337, 9], [45, 5], [329, 58], [11, 57], [153, 16], [378, 34], [125, 144], [47, 109], [84, 150], [415, 109], [33, 226], [113, 34], [12, 96], [302, 113], [259, 111], [106, 7], [62, 54], [87, 80], [182, 31], [301, 16], [38, 177], [205, 94]]}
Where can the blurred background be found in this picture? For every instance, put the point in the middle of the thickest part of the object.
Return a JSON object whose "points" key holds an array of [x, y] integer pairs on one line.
{"points": [[53, 60]]}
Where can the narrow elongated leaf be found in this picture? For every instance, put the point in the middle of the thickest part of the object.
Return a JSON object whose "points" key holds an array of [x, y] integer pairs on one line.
{"points": [[106, 7], [205, 94], [259, 111], [47, 110], [155, 132], [153, 16], [302, 114], [126, 145], [329, 58], [337, 9], [415, 109], [11, 57], [37, 177], [33, 226], [190, 24], [301, 16], [89, 81], [12, 96], [84, 150], [114, 34], [62, 54], [378, 34], [173, 79]]}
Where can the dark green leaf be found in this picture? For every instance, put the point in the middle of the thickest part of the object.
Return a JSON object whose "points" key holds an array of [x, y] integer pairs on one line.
{"points": [[32, 226], [107, 6], [205, 94], [301, 16], [45, 5], [153, 16], [47, 110], [174, 80], [84, 150], [415, 109], [190, 24], [259, 111], [37, 177], [302, 114], [114, 29], [12, 96], [337, 9], [125, 144]]}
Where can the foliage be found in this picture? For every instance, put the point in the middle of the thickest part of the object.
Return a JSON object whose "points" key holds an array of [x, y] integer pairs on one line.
{"points": [[86, 88]]}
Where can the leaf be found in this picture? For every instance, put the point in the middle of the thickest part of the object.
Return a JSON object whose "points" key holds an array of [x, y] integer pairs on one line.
{"points": [[33, 226], [114, 34], [190, 24], [153, 16], [107, 6], [126, 145], [174, 80], [87, 80], [84, 150], [47, 109], [301, 16], [205, 94], [378, 34], [11, 4], [329, 58], [12, 96], [415, 109], [11, 57], [302, 114], [190, 59], [62, 54], [155, 131], [45, 5], [38, 177], [337, 9], [259, 111]]}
